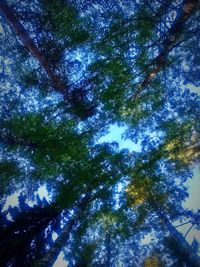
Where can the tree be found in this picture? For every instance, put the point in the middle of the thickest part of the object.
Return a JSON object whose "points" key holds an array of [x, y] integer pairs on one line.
{"points": [[29, 43], [70, 69], [126, 52], [53, 14], [173, 38], [95, 185], [61, 241]]}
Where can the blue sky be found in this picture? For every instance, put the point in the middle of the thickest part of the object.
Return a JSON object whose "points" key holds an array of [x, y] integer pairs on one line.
{"points": [[115, 134]]}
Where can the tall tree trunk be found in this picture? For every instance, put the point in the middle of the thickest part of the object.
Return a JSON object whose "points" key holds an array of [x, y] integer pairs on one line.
{"points": [[172, 39], [51, 256], [9, 14], [192, 258], [60, 242]]}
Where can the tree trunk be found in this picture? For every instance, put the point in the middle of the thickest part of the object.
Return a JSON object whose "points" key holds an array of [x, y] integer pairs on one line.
{"points": [[9, 14], [172, 39], [192, 258], [60, 242], [51, 256]]}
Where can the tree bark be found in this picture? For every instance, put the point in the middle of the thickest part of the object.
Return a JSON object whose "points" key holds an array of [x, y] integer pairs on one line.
{"points": [[10, 16], [172, 39], [55, 250], [51, 256], [192, 258]]}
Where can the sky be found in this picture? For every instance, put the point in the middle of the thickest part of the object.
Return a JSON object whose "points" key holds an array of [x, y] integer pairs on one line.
{"points": [[115, 134]]}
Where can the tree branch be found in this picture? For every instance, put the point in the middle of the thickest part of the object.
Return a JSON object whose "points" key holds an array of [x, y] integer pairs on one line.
{"points": [[189, 230]]}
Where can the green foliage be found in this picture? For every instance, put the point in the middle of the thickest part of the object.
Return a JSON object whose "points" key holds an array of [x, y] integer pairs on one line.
{"points": [[103, 58], [52, 50], [145, 22], [51, 146], [63, 20], [29, 78], [86, 254], [9, 170]]}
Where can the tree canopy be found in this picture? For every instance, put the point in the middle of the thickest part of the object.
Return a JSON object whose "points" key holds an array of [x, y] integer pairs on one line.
{"points": [[69, 71]]}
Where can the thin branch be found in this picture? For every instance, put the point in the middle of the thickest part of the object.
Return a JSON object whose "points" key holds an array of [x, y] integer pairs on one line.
{"points": [[190, 221], [189, 230]]}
